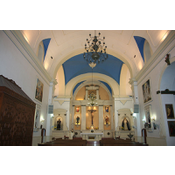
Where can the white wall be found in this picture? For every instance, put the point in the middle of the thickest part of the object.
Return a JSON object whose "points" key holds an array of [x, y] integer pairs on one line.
{"points": [[154, 72], [17, 64]]}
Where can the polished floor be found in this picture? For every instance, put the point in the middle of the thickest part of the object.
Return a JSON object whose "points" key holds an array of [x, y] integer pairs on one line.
{"points": [[93, 143]]}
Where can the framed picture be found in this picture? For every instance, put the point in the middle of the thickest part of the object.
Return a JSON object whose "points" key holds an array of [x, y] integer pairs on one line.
{"points": [[39, 90], [146, 91], [148, 115], [171, 126], [169, 111]]}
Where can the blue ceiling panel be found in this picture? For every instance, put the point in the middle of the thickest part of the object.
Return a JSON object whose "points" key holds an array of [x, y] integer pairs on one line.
{"points": [[46, 44], [107, 85], [140, 43], [77, 65]]}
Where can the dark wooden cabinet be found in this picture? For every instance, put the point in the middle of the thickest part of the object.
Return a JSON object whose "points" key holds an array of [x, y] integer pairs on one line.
{"points": [[17, 112]]}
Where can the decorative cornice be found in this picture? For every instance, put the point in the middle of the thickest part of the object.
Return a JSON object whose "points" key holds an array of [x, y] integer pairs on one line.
{"points": [[28, 53]]}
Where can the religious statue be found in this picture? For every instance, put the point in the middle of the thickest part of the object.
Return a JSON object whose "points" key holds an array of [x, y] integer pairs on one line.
{"points": [[125, 124], [107, 121], [106, 109], [77, 121], [58, 124]]}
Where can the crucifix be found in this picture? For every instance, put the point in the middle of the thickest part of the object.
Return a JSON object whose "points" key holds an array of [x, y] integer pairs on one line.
{"points": [[92, 110], [166, 91]]}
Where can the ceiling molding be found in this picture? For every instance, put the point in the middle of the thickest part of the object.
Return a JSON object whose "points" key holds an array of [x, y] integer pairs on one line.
{"points": [[28, 53]]}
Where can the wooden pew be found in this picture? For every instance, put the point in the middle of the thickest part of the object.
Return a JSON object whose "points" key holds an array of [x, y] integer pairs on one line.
{"points": [[120, 142], [65, 143]]}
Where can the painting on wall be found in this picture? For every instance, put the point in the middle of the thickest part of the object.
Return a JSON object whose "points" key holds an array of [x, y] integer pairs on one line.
{"points": [[39, 90], [169, 111], [146, 91], [148, 116], [171, 126]]}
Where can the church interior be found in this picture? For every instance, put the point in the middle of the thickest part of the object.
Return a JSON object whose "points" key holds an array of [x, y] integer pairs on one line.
{"points": [[87, 85]]}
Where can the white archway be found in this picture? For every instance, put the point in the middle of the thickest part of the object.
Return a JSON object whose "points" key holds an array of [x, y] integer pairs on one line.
{"points": [[112, 83]]}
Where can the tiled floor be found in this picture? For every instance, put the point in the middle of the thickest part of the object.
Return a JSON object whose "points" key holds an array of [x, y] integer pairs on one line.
{"points": [[93, 143]]}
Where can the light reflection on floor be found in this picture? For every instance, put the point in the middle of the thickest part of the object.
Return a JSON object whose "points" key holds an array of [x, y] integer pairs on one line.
{"points": [[93, 143]]}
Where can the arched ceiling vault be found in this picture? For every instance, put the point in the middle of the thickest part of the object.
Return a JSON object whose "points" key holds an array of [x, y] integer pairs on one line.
{"points": [[65, 44], [96, 77]]}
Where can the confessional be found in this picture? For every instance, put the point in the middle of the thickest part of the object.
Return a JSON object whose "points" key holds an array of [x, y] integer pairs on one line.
{"points": [[17, 112]]}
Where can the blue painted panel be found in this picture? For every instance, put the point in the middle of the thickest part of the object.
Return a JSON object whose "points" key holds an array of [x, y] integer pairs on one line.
{"points": [[77, 86], [46, 44], [77, 65], [107, 85], [140, 43]]}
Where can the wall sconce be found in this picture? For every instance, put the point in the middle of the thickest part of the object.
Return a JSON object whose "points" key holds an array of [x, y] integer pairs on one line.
{"points": [[42, 119], [144, 119], [64, 114], [167, 59], [118, 114]]}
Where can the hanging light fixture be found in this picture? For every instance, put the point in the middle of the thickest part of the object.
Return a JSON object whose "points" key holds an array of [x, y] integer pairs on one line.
{"points": [[95, 49]]}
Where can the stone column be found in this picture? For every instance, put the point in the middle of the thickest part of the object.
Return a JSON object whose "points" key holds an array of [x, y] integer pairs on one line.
{"points": [[101, 117], [86, 97], [134, 86], [97, 94], [73, 111], [111, 114], [49, 116], [115, 114], [83, 117]]}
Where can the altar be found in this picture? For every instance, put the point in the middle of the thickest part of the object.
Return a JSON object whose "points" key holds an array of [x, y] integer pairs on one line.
{"points": [[92, 136]]}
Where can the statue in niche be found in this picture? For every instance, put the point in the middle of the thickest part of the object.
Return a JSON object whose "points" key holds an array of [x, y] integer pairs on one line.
{"points": [[58, 124], [125, 124], [106, 109], [77, 121], [107, 121]]}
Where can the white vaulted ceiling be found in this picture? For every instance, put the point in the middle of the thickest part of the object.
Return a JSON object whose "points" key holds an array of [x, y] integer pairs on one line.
{"points": [[65, 44]]}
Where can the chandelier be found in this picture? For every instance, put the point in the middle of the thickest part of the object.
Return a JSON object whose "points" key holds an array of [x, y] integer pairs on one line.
{"points": [[95, 49]]}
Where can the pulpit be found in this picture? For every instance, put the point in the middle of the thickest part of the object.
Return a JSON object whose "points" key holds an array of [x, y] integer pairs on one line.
{"points": [[16, 115]]}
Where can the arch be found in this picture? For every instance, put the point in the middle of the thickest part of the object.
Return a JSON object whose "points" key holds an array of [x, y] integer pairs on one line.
{"points": [[172, 60], [112, 83]]}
